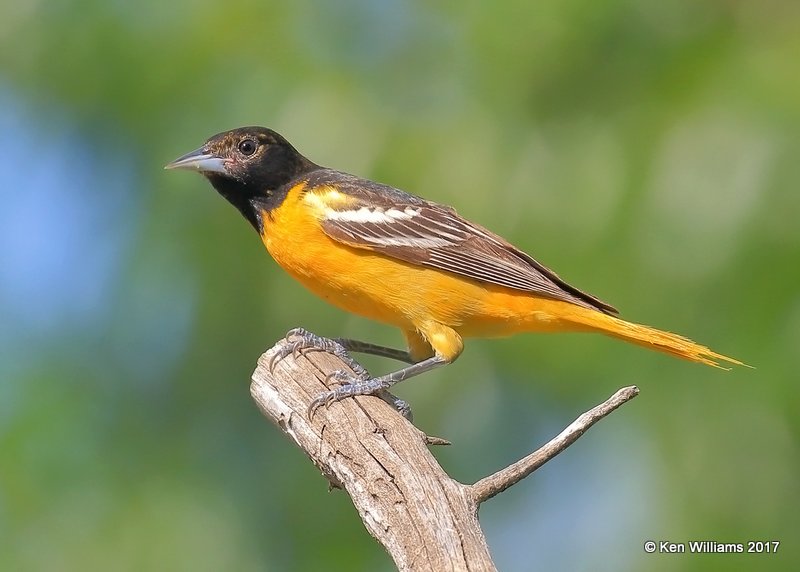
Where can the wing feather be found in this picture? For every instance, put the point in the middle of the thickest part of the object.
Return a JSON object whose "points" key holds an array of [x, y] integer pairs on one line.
{"points": [[420, 232]]}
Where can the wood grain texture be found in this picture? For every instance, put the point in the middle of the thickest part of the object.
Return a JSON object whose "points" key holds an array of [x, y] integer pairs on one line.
{"points": [[426, 520]]}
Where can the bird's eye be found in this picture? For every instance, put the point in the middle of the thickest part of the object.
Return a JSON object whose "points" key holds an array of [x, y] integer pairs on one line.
{"points": [[247, 147]]}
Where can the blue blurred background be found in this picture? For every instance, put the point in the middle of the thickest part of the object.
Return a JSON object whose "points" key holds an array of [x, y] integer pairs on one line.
{"points": [[645, 150]]}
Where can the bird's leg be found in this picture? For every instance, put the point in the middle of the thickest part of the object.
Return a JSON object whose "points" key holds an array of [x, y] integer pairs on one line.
{"points": [[375, 350], [302, 340], [402, 406], [352, 385]]}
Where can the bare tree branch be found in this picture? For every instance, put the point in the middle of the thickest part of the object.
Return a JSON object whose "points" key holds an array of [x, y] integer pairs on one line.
{"points": [[425, 519], [495, 484]]}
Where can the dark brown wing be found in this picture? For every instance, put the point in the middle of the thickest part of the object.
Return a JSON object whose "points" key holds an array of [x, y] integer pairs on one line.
{"points": [[411, 229]]}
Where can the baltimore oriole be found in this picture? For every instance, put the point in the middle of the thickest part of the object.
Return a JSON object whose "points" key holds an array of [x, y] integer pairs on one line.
{"points": [[394, 257]]}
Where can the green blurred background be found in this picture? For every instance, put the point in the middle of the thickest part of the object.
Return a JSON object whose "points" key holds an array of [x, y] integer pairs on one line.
{"points": [[648, 151]]}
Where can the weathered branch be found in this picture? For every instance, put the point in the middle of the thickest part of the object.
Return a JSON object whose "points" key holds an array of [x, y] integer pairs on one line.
{"points": [[424, 519], [495, 484]]}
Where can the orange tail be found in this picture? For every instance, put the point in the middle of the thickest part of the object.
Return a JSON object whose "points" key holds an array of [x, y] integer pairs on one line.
{"points": [[648, 337]]}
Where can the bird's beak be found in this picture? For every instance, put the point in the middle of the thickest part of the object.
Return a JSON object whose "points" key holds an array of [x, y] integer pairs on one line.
{"points": [[200, 159]]}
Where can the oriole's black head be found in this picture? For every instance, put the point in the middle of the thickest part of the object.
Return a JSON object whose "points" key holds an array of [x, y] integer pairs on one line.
{"points": [[250, 166]]}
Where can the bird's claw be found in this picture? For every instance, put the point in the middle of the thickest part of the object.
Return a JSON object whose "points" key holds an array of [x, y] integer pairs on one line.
{"points": [[299, 339], [281, 353], [340, 377], [350, 385], [346, 384], [325, 398]]}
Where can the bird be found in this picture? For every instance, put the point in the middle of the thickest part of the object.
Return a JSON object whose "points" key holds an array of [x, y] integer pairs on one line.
{"points": [[394, 257]]}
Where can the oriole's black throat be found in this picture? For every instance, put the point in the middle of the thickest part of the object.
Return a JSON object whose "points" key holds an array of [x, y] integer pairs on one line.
{"points": [[382, 253]]}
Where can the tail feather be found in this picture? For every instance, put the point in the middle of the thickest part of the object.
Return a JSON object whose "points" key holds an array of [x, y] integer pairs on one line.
{"points": [[651, 338]]}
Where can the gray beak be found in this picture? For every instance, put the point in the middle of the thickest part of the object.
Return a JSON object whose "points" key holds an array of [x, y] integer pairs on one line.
{"points": [[201, 160]]}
